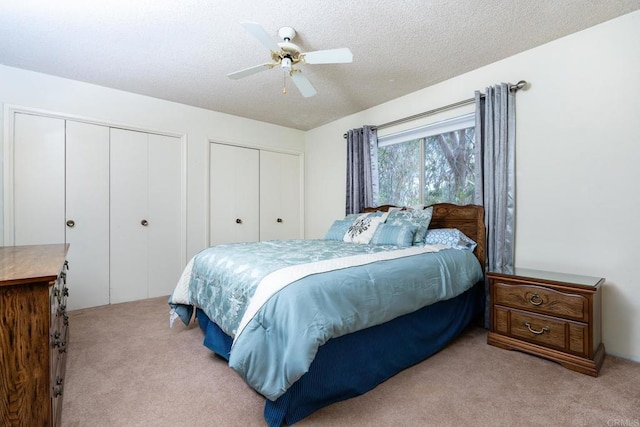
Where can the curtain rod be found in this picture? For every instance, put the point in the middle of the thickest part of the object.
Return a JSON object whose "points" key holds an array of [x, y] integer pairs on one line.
{"points": [[514, 88]]}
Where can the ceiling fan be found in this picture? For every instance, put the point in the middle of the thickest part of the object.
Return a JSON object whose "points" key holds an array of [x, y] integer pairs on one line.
{"points": [[287, 55]]}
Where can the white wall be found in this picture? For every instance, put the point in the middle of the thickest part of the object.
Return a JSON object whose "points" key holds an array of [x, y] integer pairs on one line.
{"points": [[578, 127], [68, 97]]}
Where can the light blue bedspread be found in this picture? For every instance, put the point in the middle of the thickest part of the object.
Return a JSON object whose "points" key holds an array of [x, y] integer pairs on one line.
{"points": [[279, 343]]}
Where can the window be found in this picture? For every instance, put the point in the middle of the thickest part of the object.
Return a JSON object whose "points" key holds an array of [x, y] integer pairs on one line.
{"points": [[430, 164]]}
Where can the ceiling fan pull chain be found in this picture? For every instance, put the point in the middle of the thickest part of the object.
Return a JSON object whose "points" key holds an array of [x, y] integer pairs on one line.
{"points": [[284, 82]]}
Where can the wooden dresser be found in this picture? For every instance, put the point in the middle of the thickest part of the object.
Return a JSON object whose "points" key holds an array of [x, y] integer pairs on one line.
{"points": [[552, 315], [33, 334]]}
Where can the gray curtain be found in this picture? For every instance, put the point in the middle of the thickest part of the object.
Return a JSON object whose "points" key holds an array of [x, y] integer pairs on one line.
{"points": [[495, 174], [361, 177]]}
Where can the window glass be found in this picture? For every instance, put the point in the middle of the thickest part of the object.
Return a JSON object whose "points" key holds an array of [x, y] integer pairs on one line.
{"points": [[430, 164], [399, 173], [449, 167]]}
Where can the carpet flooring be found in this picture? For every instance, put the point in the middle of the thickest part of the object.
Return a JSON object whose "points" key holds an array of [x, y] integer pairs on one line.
{"points": [[126, 367]]}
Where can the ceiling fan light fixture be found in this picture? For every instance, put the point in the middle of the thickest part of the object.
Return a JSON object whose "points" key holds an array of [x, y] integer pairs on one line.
{"points": [[286, 63]]}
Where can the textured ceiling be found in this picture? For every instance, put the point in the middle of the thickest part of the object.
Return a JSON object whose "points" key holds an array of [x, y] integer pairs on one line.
{"points": [[182, 50]]}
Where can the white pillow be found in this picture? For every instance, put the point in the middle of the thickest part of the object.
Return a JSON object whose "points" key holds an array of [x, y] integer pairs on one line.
{"points": [[363, 229]]}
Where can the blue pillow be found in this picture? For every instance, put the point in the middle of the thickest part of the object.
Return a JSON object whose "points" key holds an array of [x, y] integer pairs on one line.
{"points": [[399, 235], [451, 237], [410, 217], [338, 229]]}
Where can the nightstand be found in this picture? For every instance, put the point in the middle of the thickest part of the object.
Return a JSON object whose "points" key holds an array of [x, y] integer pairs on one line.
{"points": [[552, 315]]}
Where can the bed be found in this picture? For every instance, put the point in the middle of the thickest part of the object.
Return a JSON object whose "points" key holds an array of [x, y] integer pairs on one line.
{"points": [[303, 360]]}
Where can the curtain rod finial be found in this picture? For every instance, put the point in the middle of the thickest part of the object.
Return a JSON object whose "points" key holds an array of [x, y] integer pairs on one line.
{"points": [[520, 85]]}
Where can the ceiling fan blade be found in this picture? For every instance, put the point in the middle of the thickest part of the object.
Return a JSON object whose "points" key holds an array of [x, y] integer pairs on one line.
{"points": [[330, 56], [261, 34], [250, 71], [303, 84]]}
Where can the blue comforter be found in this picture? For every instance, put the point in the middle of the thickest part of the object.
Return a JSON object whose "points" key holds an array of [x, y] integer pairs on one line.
{"points": [[279, 341]]}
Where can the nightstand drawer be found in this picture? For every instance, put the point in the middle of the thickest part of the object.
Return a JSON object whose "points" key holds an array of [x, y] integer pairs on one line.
{"points": [[542, 300], [543, 330]]}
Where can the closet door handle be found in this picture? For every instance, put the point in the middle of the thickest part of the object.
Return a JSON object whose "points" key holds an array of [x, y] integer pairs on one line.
{"points": [[144, 222], [238, 221], [71, 223], [279, 220]]}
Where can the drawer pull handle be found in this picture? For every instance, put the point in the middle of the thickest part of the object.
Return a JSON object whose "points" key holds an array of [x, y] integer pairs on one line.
{"points": [[533, 331], [57, 391], [56, 340], [535, 299], [59, 387]]}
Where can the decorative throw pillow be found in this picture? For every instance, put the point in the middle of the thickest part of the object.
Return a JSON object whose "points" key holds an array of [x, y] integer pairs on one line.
{"points": [[449, 236], [355, 216], [399, 235], [337, 229], [409, 217], [362, 230]]}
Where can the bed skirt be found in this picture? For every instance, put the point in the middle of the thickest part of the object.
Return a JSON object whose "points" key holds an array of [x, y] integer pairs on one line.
{"points": [[353, 364]]}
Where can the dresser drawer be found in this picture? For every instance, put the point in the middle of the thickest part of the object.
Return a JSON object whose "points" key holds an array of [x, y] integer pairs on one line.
{"points": [[542, 300], [58, 371], [59, 318], [57, 391], [59, 341], [548, 331]]}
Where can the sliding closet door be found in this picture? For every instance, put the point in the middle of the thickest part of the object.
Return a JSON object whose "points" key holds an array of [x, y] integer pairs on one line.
{"points": [[128, 216], [165, 265], [280, 200], [38, 180], [87, 213], [234, 196]]}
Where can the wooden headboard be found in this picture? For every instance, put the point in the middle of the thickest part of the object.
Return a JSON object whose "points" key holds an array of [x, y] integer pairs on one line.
{"points": [[468, 218]]}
